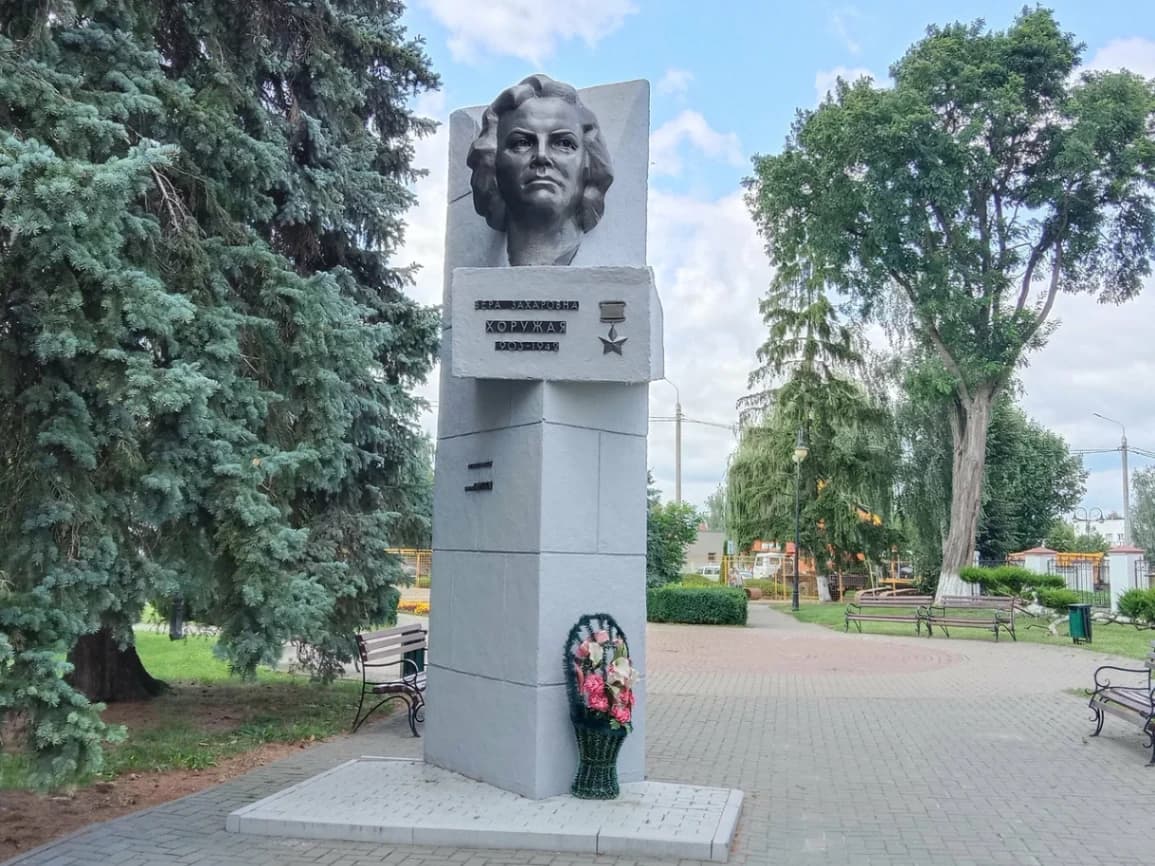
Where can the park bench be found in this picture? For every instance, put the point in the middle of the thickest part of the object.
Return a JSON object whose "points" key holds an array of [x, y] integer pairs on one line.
{"points": [[990, 612], [1135, 703], [887, 605], [393, 665]]}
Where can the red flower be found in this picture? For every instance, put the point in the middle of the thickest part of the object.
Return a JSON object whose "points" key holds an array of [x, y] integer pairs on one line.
{"points": [[626, 697], [621, 715], [599, 702], [594, 685]]}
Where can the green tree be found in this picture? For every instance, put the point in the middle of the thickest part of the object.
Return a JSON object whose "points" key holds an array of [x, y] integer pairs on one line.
{"points": [[671, 527], [962, 200], [1061, 537], [1143, 509], [849, 472], [1031, 479], [715, 511], [1090, 542], [206, 356]]}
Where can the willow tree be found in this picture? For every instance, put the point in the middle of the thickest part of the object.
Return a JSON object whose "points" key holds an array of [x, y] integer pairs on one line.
{"points": [[988, 179], [206, 353], [809, 379]]}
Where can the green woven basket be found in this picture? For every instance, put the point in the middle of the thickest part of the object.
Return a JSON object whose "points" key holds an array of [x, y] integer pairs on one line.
{"points": [[597, 772]]}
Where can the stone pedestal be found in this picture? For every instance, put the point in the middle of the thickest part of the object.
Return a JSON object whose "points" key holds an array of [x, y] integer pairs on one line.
{"points": [[540, 490]]}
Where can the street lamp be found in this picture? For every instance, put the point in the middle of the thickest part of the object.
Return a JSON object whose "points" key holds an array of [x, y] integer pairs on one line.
{"points": [[1088, 516], [800, 452], [1126, 480]]}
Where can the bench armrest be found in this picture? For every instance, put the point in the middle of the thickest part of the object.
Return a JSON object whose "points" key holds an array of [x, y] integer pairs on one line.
{"points": [[1105, 683]]}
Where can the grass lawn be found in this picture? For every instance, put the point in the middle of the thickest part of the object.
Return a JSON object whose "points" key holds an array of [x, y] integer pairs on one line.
{"points": [[1122, 640], [208, 714]]}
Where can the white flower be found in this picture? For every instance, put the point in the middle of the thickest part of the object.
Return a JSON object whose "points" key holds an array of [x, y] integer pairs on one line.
{"points": [[621, 673], [596, 653]]}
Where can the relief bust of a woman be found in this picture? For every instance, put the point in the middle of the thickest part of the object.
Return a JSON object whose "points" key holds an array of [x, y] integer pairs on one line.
{"points": [[540, 171]]}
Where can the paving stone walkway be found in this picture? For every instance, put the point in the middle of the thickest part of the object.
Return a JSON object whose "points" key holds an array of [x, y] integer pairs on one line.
{"points": [[850, 749]]}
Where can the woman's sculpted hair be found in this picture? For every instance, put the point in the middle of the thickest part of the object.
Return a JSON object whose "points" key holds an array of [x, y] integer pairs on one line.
{"points": [[598, 172]]}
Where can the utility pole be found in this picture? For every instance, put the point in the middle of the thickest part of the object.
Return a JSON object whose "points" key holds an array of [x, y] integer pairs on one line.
{"points": [[1126, 481], [678, 449]]}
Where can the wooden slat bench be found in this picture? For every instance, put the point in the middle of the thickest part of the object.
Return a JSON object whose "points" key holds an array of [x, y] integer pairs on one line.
{"points": [[887, 605], [990, 612], [1135, 703], [393, 665]]}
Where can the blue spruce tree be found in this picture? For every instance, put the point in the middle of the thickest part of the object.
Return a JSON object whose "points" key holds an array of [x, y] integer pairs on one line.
{"points": [[206, 354]]}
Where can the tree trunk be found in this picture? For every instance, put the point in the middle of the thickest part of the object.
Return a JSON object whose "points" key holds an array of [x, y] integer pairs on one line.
{"points": [[102, 671], [970, 418]]}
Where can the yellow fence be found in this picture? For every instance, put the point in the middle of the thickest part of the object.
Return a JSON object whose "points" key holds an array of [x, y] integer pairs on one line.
{"points": [[417, 562]]}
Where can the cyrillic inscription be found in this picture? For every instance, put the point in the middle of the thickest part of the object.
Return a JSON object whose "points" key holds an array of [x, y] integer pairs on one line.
{"points": [[524, 326], [525, 305]]}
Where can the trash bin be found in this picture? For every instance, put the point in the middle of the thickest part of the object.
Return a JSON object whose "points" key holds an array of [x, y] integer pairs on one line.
{"points": [[1080, 623]]}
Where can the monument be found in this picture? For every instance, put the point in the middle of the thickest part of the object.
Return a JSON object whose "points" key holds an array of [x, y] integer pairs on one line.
{"points": [[552, 334]]}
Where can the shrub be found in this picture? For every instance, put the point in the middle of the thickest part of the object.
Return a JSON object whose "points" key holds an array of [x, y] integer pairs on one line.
{"points": [[696, 580], [690, 604], [1139, 605], [1000, 579], [1056, 598]]}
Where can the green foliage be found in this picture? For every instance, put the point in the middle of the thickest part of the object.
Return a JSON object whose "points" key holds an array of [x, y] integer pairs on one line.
{"points": [[1049, 590], [1060, 537], [1057, 599], [809, 380], [1139, 605], [1031, 476], [1091, 542], [958, 202], [670, 528], [1031, 479], [206, 356], [714, 514], [1143, 508], [710, 606], [696, 580]]}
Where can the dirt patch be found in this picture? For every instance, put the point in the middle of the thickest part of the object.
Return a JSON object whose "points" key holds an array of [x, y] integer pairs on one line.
{"points": [[28, 820]]}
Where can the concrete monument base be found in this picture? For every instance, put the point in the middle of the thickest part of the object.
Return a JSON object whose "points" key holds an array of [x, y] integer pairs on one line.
{"points": [[406, 802]]}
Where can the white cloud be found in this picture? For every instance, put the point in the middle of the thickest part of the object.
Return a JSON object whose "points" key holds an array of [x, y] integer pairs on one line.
{"points": [[524, 29], [1135, 54], [675, 81], [692, 128], [825, 79], [1098, 360], [711, 270], [842, 22]]}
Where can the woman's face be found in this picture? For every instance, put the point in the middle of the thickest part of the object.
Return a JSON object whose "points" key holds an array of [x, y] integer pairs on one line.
{"points": [[541, 159]]}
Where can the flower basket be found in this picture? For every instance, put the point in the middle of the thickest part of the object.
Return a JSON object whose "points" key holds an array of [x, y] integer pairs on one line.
{"points": [[599, 682], [597, 772]]}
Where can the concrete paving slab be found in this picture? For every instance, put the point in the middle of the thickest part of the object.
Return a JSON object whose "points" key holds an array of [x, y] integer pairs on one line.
{"points": [[409, 802]]}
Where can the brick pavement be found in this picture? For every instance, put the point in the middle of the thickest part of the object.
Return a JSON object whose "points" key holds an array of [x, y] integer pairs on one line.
{"points": [[851, 749]]}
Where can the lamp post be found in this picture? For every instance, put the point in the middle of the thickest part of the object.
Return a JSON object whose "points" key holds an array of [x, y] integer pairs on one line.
{"points": [[1126, 480], [800, 452], [1088, 516]]}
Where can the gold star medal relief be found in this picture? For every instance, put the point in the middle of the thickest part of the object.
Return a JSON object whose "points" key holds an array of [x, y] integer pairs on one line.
{"points": [[613, 313]]}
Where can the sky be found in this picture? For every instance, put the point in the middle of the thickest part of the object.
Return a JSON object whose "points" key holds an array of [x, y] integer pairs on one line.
{"points": [[727, 79]]}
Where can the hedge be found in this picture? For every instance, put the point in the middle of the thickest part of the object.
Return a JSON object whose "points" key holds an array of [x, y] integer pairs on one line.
{"points": [[1139, 605], [700, 605]]}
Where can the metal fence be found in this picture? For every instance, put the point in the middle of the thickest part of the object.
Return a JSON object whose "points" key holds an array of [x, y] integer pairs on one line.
{"points": [[417, 563], [1089, 577]]}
